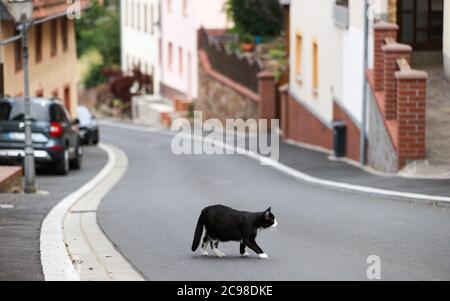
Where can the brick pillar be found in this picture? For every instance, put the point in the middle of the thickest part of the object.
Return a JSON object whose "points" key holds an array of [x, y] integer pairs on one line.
{"points": [[411, 119], [392, 52], [382, 30], [267, 95]]}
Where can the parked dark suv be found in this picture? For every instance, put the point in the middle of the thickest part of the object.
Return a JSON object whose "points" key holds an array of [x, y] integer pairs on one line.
{"points": [[56, 141]]}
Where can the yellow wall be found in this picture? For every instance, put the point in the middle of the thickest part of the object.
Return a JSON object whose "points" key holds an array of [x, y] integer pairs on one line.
{"points": [[51, 73]]}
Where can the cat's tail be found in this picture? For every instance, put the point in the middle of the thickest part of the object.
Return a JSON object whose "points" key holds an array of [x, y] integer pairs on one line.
{"points": [[198, 233]]}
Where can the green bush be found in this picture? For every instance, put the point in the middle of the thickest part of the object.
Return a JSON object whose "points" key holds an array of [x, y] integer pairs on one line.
{"points": [[94, 77], [256, 17]]}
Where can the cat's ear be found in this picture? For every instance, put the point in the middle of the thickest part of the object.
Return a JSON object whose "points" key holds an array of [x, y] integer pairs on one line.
{"points": [[267, 212]]}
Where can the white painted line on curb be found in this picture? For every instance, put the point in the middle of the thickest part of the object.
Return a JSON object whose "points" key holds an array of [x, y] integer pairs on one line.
{"points": [[54, 257], [92, 253], [298, 174]]}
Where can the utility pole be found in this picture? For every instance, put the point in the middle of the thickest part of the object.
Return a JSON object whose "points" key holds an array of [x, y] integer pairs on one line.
{"points": [[29, 164]]}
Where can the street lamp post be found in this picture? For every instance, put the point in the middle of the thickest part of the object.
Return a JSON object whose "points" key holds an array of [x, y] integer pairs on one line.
{"points": [[22, 12]]}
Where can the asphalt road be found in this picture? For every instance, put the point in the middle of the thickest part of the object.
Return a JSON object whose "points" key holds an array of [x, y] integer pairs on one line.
{"points": [[20, 226], [322, 234]]}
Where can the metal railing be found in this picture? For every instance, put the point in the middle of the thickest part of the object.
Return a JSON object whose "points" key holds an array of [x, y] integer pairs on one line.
{"points": [[237, 67]]}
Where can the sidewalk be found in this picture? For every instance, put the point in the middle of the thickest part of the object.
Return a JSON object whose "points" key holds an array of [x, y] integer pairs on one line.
{"points": [[317, 164], [21, 218]]}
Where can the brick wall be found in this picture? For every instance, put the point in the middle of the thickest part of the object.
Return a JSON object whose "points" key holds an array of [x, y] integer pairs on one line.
{"points": [[353, 132], [399, 93], [303, 126], [411, 96]]}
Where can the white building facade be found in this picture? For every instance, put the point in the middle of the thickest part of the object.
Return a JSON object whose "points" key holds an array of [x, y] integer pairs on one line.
{"points": [[161, 36], [181, 20], [327, 60], [140, 34]]}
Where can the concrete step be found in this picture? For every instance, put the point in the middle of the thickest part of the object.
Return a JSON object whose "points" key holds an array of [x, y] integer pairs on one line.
{"points": [[11, 179]]}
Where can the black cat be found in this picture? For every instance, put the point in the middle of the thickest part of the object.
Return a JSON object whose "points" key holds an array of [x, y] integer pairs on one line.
{"points": [[226, 224]]}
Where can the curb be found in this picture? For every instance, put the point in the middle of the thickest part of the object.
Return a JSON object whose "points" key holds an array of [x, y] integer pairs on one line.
{"points": [[55, 259], [301, 176]]}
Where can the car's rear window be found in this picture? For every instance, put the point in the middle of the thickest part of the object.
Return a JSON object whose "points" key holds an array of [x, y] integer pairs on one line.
{"points": [[14, 111], [84, 115]]}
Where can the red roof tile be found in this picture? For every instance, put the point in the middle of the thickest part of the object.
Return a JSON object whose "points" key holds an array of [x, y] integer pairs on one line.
{"points": [[47, 8]]}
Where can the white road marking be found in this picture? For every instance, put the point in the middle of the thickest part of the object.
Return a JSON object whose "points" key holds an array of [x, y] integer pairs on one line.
{"points": [[430, 199], [6, 206]]}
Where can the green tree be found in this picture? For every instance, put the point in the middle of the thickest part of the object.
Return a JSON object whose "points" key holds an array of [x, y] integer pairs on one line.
{"points": [[256, 17], [99, 29]]}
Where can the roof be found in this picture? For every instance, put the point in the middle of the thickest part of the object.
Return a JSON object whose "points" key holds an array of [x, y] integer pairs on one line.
{"points": [[47, 8]]}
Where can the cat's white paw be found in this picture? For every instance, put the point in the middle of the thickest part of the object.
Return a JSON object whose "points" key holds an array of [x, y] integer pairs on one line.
{"points": [[245, 254], [219, 253], [263, 256], [204, 253]]}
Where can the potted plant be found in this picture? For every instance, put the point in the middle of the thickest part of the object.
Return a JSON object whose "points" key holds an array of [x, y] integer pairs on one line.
{"points": [[247, 43]]}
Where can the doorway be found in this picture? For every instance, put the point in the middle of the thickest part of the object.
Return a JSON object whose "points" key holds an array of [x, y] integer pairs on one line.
{"points": [[421, 23]]}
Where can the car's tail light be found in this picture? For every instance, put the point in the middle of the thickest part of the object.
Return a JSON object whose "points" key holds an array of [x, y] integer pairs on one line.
{"points": [[55, 129]]}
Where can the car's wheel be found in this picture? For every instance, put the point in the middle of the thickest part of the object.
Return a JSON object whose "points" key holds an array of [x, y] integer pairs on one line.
{"points": [[96, 139], [78, 161], [63, 166]]}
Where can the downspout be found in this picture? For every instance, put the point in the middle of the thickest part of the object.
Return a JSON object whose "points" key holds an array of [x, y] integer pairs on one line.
{"points": [[363, 136], [161, 49]]}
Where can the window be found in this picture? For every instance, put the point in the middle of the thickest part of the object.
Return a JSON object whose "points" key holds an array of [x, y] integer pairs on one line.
{"points": [[53, 37], [138, 12], [169, 55], [18, 54], [298, 54], [160, 51], [126, 13], [152, 16], [315, 67], [180, 60], [38, 42], [64, 33], [145, 18], [185, 8], [132, 14]]}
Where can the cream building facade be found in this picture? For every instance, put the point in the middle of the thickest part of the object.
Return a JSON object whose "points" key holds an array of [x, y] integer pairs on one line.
{"points": [[53, 63]]}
